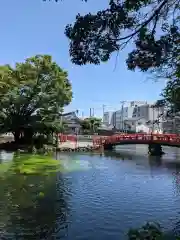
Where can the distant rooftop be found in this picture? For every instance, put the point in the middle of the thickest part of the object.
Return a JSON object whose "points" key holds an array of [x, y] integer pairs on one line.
{"points": [[104, 127], [69, 113], [133, 119]]}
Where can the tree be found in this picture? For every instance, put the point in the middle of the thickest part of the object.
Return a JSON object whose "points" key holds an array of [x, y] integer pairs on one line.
{"points": [[6, 81], [32, 104], [152, 25], [171, 94], [91, 124]]}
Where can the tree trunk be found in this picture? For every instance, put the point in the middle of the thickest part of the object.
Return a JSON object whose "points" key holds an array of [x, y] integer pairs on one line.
{"points": [[28, 135], [16, 136]]}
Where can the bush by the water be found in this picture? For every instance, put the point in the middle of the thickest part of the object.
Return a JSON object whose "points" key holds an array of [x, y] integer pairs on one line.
{"points": [[151, 231], [148, 231]]}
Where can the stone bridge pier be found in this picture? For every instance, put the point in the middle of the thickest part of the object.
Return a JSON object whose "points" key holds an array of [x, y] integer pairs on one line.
{"points": [[155, 149], [108, 147]]}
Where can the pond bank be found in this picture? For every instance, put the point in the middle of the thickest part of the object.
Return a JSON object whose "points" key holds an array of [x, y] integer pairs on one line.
{"points": [[68, 146]]}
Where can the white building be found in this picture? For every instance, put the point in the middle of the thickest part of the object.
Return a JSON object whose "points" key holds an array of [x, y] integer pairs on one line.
{"points": [[141, 125], [137, 116], [107, 118]]}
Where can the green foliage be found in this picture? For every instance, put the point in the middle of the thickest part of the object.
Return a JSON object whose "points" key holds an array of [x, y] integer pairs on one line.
{"points": [[35, 94], [152, 25], [91, 124], [152, 231], [171, 94], [160, 103], [7, 81], [148, 231], [160, 55]]}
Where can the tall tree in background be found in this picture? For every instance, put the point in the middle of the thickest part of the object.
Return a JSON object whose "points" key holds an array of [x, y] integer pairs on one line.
{"points": [[91, 124], [36, 91]]}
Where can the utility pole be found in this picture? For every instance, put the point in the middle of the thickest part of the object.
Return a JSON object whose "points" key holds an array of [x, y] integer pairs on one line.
{"points": [[77, 112], [153, 107], [122, 114], [82, 115], [174, 112], [93, 112], [174, 120], [103, 109]]}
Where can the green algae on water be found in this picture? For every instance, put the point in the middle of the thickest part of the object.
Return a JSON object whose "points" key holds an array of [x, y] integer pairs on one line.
{"points": [[31, 164], [4, 167], [36, 164]]}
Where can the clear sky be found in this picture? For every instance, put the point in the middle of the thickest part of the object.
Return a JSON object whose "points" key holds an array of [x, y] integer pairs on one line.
{"points": [[30, 27]]}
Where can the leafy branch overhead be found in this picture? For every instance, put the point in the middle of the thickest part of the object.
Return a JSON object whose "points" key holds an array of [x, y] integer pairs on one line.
{"points": [[152, 25]]}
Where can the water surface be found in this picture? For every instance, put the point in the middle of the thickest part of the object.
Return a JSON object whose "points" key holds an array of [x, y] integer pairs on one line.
{"points": [[97, 197]]}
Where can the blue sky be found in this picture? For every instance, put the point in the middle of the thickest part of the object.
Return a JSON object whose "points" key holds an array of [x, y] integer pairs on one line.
{"points": [[30, 27]]}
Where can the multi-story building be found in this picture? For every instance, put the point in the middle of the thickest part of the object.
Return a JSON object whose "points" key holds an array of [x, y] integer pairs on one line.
{"points": [[107, 118], [134, 115]]}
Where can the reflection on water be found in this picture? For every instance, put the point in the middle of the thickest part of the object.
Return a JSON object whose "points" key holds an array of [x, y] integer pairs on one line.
{"points": [[97, 197], [28, 206]]}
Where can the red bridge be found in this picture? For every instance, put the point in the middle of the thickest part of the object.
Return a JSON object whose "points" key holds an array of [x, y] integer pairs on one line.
{"points": [[155, 141]]}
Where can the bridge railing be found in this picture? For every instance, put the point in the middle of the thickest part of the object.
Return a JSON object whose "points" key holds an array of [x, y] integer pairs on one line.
{"points": [[137, 137], [65, 138]]}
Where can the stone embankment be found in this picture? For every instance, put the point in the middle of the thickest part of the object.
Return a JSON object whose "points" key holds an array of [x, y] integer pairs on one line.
{"points": [[77, 147], [68, 146]]}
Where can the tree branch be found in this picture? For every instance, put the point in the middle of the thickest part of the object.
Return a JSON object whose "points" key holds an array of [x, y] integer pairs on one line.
{"points": [[156, 12]]}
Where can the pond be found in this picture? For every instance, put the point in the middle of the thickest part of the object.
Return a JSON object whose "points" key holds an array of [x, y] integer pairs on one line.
{"points": [[89, 196]]}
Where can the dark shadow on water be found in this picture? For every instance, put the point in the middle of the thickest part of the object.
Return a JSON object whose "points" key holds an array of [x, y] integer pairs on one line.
{"points": [[155, 161], [118, 155], [173, 165]]}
